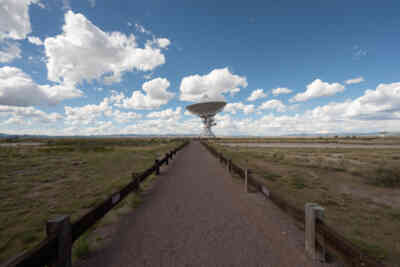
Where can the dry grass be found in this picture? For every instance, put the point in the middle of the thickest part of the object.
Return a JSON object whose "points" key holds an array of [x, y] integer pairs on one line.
{"points": [[101, 233], [64, 177], [360, 189], [324, 140]]}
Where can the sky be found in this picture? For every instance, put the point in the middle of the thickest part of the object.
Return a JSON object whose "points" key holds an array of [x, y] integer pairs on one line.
{"points": [[93, 67]]}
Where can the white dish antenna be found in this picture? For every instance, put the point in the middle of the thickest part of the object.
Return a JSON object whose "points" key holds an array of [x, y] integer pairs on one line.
{"points": [[206, 111]]}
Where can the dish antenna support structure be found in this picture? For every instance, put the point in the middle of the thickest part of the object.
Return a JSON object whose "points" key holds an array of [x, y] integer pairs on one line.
{"points": [[206, 111]]}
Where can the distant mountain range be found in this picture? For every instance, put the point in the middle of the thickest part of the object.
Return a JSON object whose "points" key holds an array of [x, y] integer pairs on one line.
{"points": [[345, 134], [25, 136]]}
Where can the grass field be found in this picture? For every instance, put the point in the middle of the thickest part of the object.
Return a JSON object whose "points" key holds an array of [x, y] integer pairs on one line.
{"points": [[66, 176], [359, 188], [324, 140]]}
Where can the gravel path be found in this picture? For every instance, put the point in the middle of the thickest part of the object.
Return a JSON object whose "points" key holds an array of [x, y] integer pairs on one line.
{"points": [[197, 215]]}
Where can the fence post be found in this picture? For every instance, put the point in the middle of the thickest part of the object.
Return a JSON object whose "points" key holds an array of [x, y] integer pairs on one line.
{"points": [[60, 226], [230, 165], [166, 158], [246, 171], [157, 167], [312, 212]]}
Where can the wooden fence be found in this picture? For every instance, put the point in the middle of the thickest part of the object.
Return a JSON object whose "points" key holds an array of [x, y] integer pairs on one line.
{"points": [[333, 240], [55, 250]]}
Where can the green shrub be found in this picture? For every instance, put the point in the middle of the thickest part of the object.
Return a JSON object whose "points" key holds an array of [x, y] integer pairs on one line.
{"points": [[395, 215], [278, 156], [28, 238], [136, 201], [271, 176], [298, 182], [386, 178], [81, 247]]}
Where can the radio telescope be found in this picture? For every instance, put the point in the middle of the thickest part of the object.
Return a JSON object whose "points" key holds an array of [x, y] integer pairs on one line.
{"points": [[206, 111]]}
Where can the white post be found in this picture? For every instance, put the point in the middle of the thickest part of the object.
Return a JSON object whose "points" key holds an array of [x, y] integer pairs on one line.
{"points": [[313, 211]]}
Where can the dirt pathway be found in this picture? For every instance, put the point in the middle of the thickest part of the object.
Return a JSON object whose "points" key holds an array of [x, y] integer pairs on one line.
{"points": [[197, 215]]}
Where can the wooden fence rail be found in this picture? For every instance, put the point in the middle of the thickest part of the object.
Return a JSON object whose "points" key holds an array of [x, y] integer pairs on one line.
{"points": [[47, 251], [352, 254]]}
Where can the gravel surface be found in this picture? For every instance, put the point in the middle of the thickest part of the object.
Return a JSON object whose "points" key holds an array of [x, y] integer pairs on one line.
{"points": [[198, 215]]}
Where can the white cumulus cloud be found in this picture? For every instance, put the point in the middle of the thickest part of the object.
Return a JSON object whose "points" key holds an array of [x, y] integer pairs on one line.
{"points": [[163, 42], [235, 107], [211, 86], [26, 115], [156, 95], [41, 5], [158, 43], [375, 110], [138, 100], [166, 114], [88, 113], [142, 29], [124, 117], [234, 91], [9, 51], [317, 89], [279, 91], [14, 19], [383, 103], [35, 40], [85, 52], [157, 89], [18, 89], [257, 94], [355, 80], [273, 104], [91, 113]]}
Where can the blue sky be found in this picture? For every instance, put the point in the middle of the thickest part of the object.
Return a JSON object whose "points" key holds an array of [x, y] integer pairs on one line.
{"points": [[119, 67]]}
